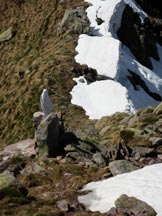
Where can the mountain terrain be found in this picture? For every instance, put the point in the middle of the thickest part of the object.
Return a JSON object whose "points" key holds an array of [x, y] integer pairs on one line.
{"points": [[45, 58], [101, 64]]}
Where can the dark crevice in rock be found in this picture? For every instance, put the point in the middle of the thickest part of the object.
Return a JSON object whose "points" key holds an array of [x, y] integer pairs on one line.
{"points": [[139, 37], [89, 74], [157, 28], [152, 8], [137, 81]]}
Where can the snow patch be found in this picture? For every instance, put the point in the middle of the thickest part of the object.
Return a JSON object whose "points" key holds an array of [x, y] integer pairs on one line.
{"points": [[144, 184], [100, 53], [105, 53], [100, 98]]}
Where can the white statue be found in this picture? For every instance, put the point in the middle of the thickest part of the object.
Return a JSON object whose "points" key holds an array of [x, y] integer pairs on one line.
{"points": [[46, 104]]}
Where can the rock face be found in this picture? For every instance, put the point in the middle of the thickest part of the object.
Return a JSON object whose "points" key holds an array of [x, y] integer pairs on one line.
{"points": [[131, 206], [140, 38], [47, 136], [136, 138], [76, 21], [121, 166]]}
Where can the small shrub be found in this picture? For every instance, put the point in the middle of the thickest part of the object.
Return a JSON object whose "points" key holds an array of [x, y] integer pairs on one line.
{"points": [[126, 134]]}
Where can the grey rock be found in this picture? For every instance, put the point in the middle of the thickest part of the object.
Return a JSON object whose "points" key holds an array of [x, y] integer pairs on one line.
{"points": [[143, 151], [63, 205], [113, 152], [159, 156], [158, 109], [37, 118], [47, 136], [133, 120], [99, 159], [14, 164], [6, 35], [88, 132], [7, 180], [155, 141], [134, 206], [32, 168], [121, 166], [158, 124], [24, 147], [76, 21]]}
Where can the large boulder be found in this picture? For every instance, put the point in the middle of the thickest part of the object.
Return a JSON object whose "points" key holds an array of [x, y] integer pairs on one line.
{"points": [[139, 37], [121, 166], [74, 20], [24, 147], [47, 136], [131, 206]]}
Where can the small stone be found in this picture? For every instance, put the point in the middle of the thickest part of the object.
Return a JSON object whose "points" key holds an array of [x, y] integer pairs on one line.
{"points": [[156, 141], [98, 158], [81, 163], [160, 156], [63, 205], [67, 175], [63, 161], [143, 151], [88, 164], [82, 80], [58, 158], [37, 117], [6, 35]]}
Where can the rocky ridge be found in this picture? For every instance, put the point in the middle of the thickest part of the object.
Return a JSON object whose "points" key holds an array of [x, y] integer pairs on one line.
{"points": [[112, 145], [93, 150]]}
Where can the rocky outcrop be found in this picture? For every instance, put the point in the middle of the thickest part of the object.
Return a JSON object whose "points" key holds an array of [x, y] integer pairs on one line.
{"points": [[24, 147], [75, 21], [152, 8], [121, 166], [47, 136], [131, 206], [136, 138], [89, 74], [139, 38], [9, 184], [123, 142]]}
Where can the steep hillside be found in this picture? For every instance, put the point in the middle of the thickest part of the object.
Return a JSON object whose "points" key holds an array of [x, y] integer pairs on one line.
{"points": [[120, 60], [36, 57]]}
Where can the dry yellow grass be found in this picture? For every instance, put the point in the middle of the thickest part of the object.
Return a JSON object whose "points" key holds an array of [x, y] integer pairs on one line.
{"points": [[45, 57]]}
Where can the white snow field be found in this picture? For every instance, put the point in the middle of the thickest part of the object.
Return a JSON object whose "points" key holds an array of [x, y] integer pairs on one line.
{"points": [[144, 184], [105, 53]]}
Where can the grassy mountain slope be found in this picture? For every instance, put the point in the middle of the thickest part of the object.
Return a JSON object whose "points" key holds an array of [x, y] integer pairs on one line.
{"points": [[44, 56]]}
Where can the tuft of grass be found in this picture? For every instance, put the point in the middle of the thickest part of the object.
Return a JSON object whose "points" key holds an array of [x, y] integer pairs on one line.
{"points": [[35, 179], [126, 134]]}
